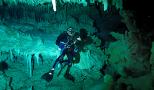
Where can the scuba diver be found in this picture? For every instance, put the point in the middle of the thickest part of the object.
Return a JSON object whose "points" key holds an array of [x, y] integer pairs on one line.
{"points": [[68, 43]]}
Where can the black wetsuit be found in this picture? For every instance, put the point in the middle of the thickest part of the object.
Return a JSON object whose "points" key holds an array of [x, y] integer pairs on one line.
{"points": [[68, 48]]}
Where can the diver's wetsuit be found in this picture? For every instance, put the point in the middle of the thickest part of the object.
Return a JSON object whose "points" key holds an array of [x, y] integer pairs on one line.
{"points": [[65, 43], [69, 53], [68, 48]]}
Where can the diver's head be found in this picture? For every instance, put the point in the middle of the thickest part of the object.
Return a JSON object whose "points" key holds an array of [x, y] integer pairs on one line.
{"points": [[70, 31]]}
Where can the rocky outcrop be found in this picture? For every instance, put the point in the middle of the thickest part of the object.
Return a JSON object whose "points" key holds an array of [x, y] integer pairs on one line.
{"points": [[128, 56], [152, 59]]}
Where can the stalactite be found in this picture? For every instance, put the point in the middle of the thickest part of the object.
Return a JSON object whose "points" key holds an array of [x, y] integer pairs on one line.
{"points": [[30, 88], [11, 55], [0, 54], [37, 58], [46, 8], [14, 58], [22, 9], [41, 58], [32, 62], [29, 65], [10, 83]]}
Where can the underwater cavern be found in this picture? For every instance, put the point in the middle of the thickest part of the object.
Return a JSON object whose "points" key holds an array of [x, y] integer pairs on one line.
{"points": [[76, 45]]}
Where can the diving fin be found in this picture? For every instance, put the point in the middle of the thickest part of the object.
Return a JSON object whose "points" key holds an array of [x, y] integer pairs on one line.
{"points": [[69, 77], [48, 76]]}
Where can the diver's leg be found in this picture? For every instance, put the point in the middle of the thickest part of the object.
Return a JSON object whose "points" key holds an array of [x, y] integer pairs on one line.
{"points": [[70, 58], [60, 58], [69, 62], [68, 75]]}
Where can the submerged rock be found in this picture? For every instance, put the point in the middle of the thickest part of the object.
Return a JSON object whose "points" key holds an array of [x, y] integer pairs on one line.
{"points": [[3, 66]]}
